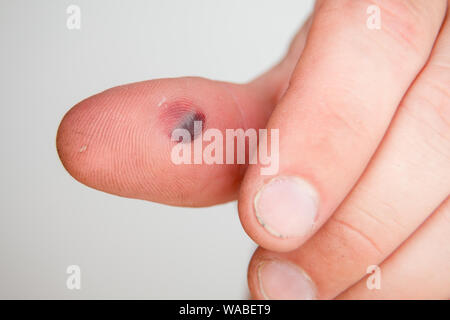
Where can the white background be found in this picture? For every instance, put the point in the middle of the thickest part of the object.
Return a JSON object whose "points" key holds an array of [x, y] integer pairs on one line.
{"points": [[125, 248]]}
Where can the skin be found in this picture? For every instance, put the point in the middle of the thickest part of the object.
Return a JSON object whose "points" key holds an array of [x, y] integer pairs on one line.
{"points": [[363, 116]]}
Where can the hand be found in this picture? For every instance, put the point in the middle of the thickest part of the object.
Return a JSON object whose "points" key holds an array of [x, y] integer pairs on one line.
{"points": [[364, 149]]}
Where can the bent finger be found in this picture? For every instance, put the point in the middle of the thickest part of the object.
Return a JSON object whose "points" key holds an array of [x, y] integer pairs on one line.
{"points": [[343, 94], [406, 180]]}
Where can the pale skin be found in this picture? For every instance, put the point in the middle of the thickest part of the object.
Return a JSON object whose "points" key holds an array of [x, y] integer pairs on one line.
{"points": [[364, 122]]}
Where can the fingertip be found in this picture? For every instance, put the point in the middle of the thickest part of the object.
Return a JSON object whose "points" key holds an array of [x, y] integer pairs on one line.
{"points": [[259, 216], [120, 141], [274, 276]]}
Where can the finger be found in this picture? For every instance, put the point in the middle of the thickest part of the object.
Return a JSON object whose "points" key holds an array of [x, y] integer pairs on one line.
{"points": [[119, 141], [417, 270], [343, 93], [408, 177]]}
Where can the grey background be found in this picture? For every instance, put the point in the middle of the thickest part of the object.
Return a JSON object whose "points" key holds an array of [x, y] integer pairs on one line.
{"points": [[125, 248]]}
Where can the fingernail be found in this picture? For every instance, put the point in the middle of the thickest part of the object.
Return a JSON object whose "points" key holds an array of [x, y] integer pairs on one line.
{"points": [[284, 281], [287, 207]]}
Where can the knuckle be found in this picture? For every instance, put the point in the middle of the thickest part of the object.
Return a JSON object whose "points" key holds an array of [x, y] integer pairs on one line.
{"points": [[358, 245], [441, 109], [360, 222], [363, 231], [440, 88], [430, 104], [446, 211]]}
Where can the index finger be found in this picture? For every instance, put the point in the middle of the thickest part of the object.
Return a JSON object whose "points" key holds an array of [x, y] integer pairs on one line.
{"points": [[341, 99]]}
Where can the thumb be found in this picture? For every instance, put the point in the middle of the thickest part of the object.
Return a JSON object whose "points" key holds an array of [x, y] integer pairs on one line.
{"points": [[119, 141]]}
